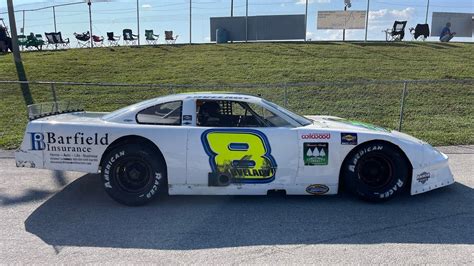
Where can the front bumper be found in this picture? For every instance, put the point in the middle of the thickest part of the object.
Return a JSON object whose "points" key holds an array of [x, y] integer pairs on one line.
{"points": [[433, 175]]}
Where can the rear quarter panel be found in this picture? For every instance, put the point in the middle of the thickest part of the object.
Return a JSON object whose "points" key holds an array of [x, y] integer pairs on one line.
{"points": [[80, 147]]}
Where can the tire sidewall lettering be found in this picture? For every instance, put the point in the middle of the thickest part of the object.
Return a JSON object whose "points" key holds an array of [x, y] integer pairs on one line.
{"points": [[109, 166]]}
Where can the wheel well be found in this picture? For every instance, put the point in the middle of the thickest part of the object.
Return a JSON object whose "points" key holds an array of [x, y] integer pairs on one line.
{"points": [[376, 141], [133, 139]]}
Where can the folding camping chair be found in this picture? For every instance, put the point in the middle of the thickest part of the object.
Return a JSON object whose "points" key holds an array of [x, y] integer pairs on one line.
{"points": [[83, 40], [129, 37], [420, 32], [56, 39], [169, 37], [112, 39], [397, 32], [150, 37], [63, 42], [50, 39], [34, 41], [39, 37], [22, 41], [98, 40]]}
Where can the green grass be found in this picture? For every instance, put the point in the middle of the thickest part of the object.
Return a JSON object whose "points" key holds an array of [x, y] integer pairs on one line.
{"points": [[439, 113]]}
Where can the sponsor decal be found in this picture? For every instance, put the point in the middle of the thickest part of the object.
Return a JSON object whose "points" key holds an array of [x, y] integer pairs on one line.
{"points": [[68, 149], [423, 177], [348, 138], [317, 189], [187, 117], [357, 156], [78, 142], [243, 155], [315, 153], [316, 136]]}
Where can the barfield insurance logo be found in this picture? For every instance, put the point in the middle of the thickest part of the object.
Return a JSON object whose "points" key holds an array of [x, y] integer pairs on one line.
{"points": [[79, 142]]}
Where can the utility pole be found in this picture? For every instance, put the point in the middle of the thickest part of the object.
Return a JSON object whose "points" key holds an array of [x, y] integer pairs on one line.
{"points": [[246, 20], [16, 55], [347, 4], [23, 22], [427, 9], [306, 21], [231, 8], [190, 21], [367, 19], [54, 19], [138, 20], [344, 30], [89, 3]]}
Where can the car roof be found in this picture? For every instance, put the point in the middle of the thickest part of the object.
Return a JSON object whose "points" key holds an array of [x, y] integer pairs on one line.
{"points": [[208, 95], [181, 97]]}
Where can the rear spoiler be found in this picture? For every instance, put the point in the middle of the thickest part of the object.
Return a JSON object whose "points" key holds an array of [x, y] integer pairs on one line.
{"points": [[40, 110]]}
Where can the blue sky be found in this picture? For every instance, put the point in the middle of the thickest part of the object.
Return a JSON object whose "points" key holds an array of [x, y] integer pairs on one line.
{"points": [[163, 15]]}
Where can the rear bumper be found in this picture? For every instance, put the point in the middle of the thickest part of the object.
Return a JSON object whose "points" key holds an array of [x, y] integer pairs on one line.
{"points": [[432, 176], [28, 159]]}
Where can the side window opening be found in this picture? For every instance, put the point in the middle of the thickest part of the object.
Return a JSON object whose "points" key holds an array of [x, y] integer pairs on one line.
{"points": [[218, 113], [162, 114]]}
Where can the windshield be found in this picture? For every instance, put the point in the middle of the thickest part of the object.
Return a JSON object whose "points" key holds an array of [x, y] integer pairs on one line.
{"points": [[299, 119]]}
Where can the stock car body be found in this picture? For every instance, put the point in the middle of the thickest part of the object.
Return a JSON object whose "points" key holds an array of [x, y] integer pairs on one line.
{"points": [[229, 144]]}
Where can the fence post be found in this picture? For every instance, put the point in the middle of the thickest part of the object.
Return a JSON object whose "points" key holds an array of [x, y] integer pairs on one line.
{"points": [[53, 92], [286, 97], [402, 106], [55, 99]]}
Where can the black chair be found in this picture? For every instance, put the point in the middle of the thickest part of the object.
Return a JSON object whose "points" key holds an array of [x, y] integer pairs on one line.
{"points": [[63, 42], [129, 37], [56, 39], [113, 39], [83, 40], [169, 38], [420, 32], [397, 32]]}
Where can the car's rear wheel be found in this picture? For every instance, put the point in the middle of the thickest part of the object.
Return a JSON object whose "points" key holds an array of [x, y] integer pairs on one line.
{"points": [[376, 171], [133, 174]]}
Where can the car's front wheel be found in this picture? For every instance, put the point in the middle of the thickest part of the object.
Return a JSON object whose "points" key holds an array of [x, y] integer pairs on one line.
{"points": [[376, 171], [133, 174]]}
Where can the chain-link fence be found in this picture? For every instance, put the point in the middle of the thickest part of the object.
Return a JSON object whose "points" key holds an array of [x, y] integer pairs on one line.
{"points": [[190, 19], [440, 112]]}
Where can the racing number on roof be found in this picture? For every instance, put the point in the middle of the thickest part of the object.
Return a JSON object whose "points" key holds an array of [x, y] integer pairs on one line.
{"points": [[242, 154]]}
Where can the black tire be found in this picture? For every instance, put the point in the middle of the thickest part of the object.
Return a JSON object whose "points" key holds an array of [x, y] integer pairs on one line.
{"points": [[376, 171], [133, 174]]}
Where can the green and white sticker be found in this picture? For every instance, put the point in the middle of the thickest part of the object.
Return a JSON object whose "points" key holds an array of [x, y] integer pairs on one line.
{"points": [[315, 153]]}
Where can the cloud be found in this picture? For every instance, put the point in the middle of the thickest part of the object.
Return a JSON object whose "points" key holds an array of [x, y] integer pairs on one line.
{"points": [[333, 35], [303, 2], [146, 6], [392, 14]]}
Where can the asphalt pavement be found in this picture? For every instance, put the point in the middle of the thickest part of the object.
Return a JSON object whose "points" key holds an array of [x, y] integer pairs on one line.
{"points": [[58, 217]]}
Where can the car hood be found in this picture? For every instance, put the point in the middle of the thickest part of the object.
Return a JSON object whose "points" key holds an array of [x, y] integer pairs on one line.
{"points": [[341, 124], [333, 122]]}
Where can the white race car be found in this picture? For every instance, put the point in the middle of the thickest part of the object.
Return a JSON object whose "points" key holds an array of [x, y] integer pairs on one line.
{"points": [[228, 144]]}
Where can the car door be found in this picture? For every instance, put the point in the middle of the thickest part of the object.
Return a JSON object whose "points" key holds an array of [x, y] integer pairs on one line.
{"points": [[233, 149]]}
